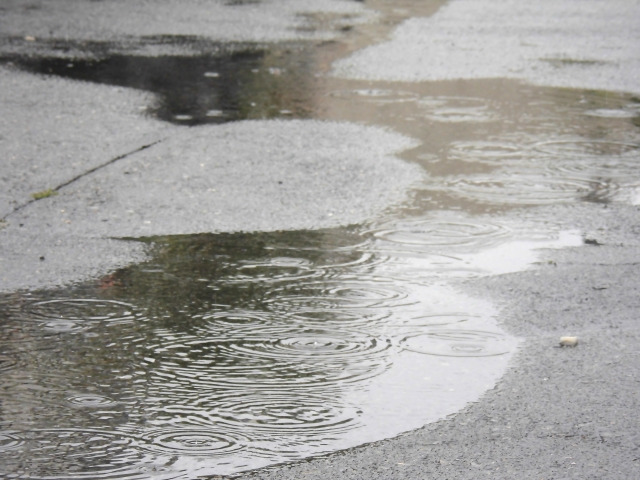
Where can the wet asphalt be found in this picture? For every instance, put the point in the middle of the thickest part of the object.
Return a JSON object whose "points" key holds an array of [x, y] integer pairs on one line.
{"points": [[557, 413]]}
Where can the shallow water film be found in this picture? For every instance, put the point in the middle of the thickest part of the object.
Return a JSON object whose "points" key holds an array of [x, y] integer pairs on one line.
{"points": [[229, 352]]}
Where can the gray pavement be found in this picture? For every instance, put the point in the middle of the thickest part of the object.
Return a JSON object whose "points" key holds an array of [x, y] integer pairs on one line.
{"points": [[54, 130], [232, 20], [557, 413], [577, 44]]}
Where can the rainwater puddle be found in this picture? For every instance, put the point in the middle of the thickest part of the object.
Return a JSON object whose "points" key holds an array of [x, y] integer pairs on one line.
{"points": [[234, 351], [491, 146], [231, 352], [230, 82]]}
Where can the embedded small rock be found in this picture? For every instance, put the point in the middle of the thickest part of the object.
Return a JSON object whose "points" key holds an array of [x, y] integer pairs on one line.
{"points": [[568, 341]]}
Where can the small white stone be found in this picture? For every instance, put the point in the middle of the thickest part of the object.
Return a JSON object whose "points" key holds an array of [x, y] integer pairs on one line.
{"points": [[568, 341]]}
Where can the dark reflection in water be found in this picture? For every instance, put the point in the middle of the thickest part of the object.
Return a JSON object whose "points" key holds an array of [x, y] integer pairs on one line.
{"points": [[232, 82], [234, 351]]}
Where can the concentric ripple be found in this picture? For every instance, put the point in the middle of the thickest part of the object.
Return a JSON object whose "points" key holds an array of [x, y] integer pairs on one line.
{"points": [[227, 352], [513, 188], [222, 322], [459, 343], [69, 314], [451, 234], [274, 269], [88, 400], [490, 152], [371, 292], [316, 345], [71, 454], [259, 361], [331, 318], [192, 441], [614, 169], [10, 441], [451, 109], [567, 149], [264, 360], [290, 413]]}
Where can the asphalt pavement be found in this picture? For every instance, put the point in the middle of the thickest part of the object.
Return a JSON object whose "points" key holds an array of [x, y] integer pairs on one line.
{"points": [[104, 168]]}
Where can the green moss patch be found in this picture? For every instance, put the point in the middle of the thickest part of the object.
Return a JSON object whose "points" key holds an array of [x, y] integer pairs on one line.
{"points": [[44, 194]]}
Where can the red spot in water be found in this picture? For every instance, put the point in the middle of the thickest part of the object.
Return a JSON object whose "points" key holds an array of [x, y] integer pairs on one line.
{"points": [[109, 281]]}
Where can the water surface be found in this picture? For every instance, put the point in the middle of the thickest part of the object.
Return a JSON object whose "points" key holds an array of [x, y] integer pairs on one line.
{"points": [[234, 351]]}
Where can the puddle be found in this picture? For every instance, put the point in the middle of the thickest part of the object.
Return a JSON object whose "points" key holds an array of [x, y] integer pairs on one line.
{"points": [[231, 352], [234, 82], [488, 145], [235, 351]]}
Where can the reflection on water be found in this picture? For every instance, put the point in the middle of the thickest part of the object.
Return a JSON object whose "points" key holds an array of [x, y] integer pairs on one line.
{"points": [[234, 351], [495, 145], [228, 352], [230, 82]]}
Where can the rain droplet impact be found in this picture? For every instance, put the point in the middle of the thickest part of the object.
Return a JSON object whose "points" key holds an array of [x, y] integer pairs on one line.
{"points": [[507, 188], [68, 314], [485, 151], [90, 401], [539, 172], [229, 352], [10, 441], [307, 344], [367, 293], [282, 346], [580, 148], [430, 233], [79, 454], [450, 109], [459, 343], [295, 413], [192, 441]]}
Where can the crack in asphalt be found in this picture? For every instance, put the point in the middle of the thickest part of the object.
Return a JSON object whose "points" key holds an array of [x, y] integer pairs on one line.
{"points": [[82, 175]]}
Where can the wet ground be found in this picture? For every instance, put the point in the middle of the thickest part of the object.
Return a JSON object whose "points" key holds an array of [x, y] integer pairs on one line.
{"points": [[219, 351]]}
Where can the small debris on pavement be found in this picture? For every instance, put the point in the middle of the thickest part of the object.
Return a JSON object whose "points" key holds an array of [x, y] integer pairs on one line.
{"points": [[568, 341]]}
